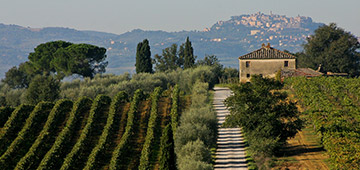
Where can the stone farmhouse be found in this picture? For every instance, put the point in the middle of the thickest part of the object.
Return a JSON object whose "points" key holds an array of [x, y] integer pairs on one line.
{"points": [[266, 61]]}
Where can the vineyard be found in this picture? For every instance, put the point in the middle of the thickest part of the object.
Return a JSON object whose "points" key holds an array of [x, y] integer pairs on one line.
{"points": [[332, 107], [123, 132]]}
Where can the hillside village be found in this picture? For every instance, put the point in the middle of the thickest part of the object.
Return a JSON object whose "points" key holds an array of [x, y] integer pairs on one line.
{"points": [[280, 30]]}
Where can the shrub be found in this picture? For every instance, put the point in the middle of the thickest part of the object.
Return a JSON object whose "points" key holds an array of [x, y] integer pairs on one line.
{"points": [[55, 156], [195, 156], [42, 88], [27, 135], [13, 125], [198, 124], [46, 137]]}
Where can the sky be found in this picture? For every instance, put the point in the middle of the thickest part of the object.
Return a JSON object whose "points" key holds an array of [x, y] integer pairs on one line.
{"points": [[120, 16]]}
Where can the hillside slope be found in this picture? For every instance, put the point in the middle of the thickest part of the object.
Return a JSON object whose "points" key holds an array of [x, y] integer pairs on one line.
{"points": [[225, 39]]}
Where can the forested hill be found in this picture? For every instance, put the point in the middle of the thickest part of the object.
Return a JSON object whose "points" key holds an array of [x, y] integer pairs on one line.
{"points": [[225, 39]]}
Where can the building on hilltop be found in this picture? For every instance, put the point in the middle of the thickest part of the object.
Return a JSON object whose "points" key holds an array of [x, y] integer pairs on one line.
{"points": [[266, 61]]}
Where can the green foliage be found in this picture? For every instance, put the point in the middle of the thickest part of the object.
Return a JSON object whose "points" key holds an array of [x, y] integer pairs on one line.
{"points": [[58, 59], [169, 60], [5, 113], [174, 114], [11, 97], [213, 61], [333, 109], [95, 157], [229, 76], [111, 84], [167, 154], [83, 144], [82, 59], [197, 123], [195, 156], [43, 55], [278, 75], [143, 58], [26, 137], [42, 88], [55, 156], [266, 116], [189, 77], [188, 55], [149, 139], [122, 147], [16, 77], [47, 136], [332, 47], [100, 84], [64, 59], [13, 125]]}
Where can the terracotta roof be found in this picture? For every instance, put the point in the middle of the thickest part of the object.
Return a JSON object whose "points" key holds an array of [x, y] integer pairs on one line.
{"points": [[267, 52], [307, 72]]}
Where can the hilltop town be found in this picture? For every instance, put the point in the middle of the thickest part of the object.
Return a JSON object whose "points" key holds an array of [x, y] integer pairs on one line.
{"points": [[279, 30]]}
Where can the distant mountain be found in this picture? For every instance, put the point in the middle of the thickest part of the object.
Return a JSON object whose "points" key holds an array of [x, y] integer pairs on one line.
{"points": [[225, 39]]}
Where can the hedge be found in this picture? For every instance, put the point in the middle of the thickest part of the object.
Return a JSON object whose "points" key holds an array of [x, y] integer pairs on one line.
{"points": [[13, 125], [94, 157], [47, 136], [122, 146], [174, 109], [55, 156], [19, 147], [72, 159]]}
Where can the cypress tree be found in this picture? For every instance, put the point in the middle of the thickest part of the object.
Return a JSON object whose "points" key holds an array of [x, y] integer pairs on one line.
{"points": [[143, 58], [167, 153], [189, 59]]}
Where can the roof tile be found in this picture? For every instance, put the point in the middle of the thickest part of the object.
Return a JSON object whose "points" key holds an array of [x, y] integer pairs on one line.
{"points": [[267, 52]]}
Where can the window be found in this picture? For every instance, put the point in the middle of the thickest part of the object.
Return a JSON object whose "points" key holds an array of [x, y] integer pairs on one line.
{"points": [[286, 63], [247, 63], [247, 75]]}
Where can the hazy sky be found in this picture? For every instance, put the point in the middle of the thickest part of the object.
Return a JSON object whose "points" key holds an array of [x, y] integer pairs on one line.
{"points": [[119, 16]]}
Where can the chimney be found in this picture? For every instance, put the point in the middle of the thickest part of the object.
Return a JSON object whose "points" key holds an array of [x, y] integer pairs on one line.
{"points": [[319, 68], [268, 45]]}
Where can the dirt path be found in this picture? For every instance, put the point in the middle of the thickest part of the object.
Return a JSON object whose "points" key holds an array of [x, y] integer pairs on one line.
{"points": [[303, 152], [230, 152]]}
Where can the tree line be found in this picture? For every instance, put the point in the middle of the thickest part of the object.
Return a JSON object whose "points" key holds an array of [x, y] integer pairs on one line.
{"points": [[171, 58], [40, 78]]}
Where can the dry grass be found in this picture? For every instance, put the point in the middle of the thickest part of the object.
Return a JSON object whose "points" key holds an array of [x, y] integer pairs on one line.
{"points": [[303, 152]]}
